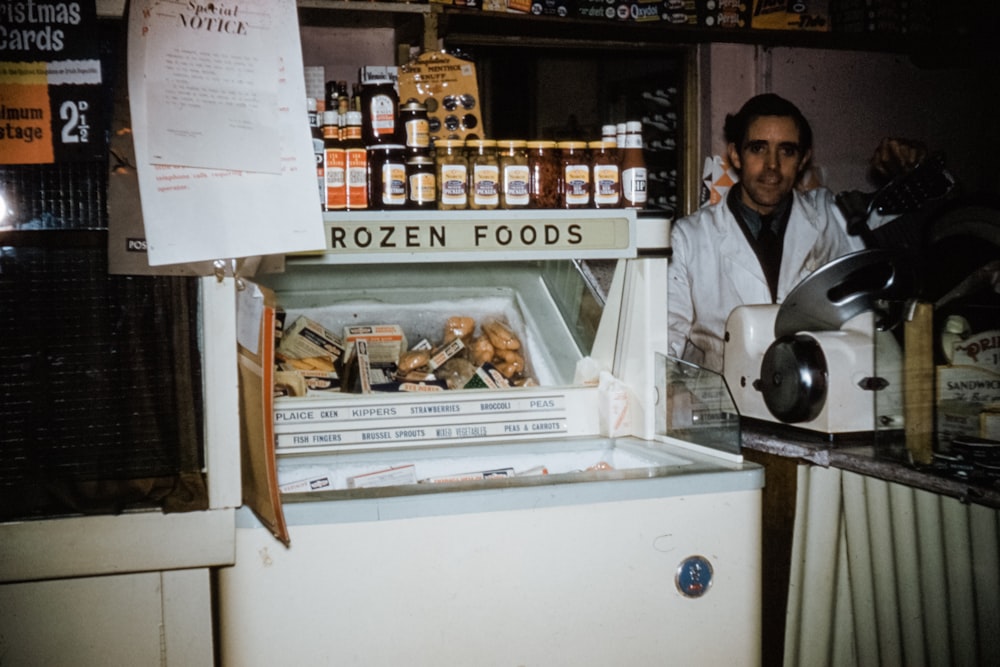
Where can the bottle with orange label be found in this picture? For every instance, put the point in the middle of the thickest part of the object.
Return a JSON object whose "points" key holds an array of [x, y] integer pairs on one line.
{"points": [[335, 160], [357, 163]]}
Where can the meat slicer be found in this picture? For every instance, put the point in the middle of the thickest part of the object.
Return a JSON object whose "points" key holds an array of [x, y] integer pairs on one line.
{"points": [[811, 361]]}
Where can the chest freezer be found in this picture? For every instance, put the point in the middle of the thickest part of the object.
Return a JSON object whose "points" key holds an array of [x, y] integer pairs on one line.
{"points": [[553, 522]]}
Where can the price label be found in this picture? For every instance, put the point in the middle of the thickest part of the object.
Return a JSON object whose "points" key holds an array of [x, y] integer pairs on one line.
{"points": [[51, 94]]}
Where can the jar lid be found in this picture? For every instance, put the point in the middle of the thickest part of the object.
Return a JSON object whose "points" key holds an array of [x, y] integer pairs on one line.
{"points": [[633, 126], [420, 159], [541, 144], [387, 147], [450, 143], [481, 143], [412, 105], [573, 145], [602, 143], [511, 143]]}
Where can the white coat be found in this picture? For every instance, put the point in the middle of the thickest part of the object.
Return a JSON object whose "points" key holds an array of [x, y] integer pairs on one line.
{"points": [[713, 269]]}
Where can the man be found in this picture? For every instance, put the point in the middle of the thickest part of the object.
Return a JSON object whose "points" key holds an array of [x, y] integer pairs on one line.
{"points": [[766, 236]]}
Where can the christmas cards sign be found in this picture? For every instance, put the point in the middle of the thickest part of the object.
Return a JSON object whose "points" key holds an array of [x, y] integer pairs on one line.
{"points": [[50, 82]]}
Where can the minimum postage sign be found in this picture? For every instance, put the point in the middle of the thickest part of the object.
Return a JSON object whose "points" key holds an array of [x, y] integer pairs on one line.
{"points": [[50, 82]]}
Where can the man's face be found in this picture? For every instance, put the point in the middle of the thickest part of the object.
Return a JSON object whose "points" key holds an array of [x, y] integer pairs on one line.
{"points": [[770, 161]]}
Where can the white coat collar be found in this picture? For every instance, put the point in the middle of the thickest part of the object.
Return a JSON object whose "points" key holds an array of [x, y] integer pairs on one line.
{"points": [[747, 277]]}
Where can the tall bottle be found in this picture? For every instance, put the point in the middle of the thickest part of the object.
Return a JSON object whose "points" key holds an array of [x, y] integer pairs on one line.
{"points": [[633, 167], [343, 104], [379, 106], [335, 163], [357, 163]]}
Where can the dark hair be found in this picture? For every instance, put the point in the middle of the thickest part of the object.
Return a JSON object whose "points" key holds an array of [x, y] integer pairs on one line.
{"points": [[768, 104]]}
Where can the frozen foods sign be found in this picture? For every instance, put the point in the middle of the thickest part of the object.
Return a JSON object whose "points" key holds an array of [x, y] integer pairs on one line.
{"points": [[374, 234]]}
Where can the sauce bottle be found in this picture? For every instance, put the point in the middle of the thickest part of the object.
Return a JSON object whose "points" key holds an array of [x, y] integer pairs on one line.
{"points": [[357, 163], [379, 106], [633, 166], [335, 160]]}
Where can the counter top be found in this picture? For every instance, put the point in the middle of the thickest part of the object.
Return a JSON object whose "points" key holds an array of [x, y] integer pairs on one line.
{"points": [[818, 449], [862, 459]]}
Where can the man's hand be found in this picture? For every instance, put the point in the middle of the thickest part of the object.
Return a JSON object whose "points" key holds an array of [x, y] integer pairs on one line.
{"points": [[896, 156]]}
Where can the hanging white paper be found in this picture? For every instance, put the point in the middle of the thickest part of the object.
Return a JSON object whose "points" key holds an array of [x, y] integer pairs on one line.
{"points": [[211, 86], [193, 212]]}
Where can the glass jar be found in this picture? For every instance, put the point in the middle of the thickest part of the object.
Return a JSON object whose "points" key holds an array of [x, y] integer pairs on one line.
{"points": [[452, 170], [413, 119], [574, 172], [605, 177], [514, 175], [484, 174], [421, 183], [379, 109], [386, 177], [543, 170]]}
